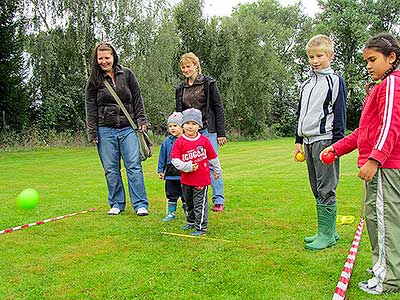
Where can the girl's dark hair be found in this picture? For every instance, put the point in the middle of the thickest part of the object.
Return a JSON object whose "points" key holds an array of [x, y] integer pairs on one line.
{"points": [[384, 43], [97, 75]]}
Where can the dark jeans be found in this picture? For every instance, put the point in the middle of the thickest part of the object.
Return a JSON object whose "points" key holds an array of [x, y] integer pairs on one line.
{"points": [[173, 190], [197, 205]]}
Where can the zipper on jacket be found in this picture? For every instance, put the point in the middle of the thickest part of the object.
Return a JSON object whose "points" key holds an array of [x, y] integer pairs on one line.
{"points": [[118, 117], [308, 102]]}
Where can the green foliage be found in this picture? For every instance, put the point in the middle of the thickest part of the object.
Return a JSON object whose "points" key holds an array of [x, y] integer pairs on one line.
{"points": [[253, 54], [58, 80], [347, 23], [13, 99], [37, 138], [257, 56], [190, 27], [351, 23]]}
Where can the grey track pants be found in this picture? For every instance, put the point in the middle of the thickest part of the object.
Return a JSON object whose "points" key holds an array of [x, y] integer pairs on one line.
{"points": [[323, 178], [383, 224]]}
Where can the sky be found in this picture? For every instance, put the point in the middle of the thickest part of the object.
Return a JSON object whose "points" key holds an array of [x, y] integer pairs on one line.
{"points": [[224, 7]]}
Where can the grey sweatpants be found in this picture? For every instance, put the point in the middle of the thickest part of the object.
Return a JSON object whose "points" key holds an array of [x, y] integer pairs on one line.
{"points": [[323, 178], [196, 200], [383, 224]]}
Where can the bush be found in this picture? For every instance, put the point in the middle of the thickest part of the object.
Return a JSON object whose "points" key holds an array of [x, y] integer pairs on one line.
{"points": [[37, 138]]}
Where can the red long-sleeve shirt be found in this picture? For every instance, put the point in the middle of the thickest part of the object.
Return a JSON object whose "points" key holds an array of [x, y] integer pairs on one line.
{"points": [[195, 150], [377, 136]]}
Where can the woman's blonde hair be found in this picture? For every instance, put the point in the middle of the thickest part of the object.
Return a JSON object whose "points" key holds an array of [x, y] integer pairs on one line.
{"points": [[192, 58]]}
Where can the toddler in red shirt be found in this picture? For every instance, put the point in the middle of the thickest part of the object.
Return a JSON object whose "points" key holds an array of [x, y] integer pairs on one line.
{"points": [[191, 154]]}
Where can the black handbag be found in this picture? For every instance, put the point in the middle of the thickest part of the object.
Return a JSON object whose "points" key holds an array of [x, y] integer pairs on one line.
{"points": [[145, 144]]}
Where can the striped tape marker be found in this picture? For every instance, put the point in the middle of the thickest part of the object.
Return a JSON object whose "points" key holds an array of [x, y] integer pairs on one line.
{"points": [[8, 230], [344, 279]]}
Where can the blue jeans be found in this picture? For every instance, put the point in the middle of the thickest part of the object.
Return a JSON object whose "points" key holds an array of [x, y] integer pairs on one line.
{"points": [[216, 184], [115, 143]]}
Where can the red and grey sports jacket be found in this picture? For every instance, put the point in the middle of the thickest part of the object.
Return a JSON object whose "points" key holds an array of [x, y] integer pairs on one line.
{"points": [[378, 134]]}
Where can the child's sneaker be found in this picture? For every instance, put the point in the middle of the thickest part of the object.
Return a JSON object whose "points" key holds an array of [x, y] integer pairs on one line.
{"points": [[218, 207], [198, 232], [169, 217], [370, 286], [187, 226], [370, 271], [370, 290]]}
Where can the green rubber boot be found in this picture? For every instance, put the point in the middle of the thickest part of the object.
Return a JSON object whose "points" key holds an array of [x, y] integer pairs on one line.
{"points": [[310, 239], [171, 212], [326, 228]]}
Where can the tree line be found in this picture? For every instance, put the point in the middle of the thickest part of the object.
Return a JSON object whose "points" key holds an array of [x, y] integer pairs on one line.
{"points": [[257, 54]]}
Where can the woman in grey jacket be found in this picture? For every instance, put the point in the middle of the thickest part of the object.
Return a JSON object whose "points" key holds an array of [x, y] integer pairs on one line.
{"points": [[109, 129]]}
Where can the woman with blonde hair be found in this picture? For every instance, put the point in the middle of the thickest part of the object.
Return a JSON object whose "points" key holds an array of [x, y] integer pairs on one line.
{"points": [[201, 92]]}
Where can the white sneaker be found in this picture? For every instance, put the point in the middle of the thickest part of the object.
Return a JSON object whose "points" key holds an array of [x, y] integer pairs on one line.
{"points": [[114, 211], [370, 271], [370, 286], [142, 211]]}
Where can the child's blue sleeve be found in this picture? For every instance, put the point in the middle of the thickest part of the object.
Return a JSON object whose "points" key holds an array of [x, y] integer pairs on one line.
{"points": [[162, 159]]}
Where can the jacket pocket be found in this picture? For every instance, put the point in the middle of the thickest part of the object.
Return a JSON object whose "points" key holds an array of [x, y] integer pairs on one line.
{"points": [[110, 115]]}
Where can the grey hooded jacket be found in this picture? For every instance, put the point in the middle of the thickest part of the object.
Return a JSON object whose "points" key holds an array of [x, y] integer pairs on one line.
{"points": [[321, 113]]}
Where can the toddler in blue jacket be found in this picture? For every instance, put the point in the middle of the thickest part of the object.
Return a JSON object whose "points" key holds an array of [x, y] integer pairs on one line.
{"points": [[166, 171]]}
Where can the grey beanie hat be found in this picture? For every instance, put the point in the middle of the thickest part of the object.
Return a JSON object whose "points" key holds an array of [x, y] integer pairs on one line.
{"points": [[176, 118], [192, 114]]}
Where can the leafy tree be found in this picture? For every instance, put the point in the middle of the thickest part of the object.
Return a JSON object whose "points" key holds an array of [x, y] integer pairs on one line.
{"points": [[156, 73], [351, 23], [347, 23], [254, 54], [190, 27], [145, 37], [14, 105], [257, 55], [58, 80], [60, 48]]}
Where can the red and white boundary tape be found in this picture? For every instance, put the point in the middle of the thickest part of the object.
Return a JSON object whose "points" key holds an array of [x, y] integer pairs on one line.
{"points": [[344, 279], [8, 230]]}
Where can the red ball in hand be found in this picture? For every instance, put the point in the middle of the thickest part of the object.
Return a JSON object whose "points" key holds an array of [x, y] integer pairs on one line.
{"points": [[328, 157]]}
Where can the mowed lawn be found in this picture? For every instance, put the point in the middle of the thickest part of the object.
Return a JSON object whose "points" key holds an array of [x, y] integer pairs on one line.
{"points": [[255, 248]]}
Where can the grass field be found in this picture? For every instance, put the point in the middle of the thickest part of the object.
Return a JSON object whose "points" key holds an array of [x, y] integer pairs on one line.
{"points": [[258, 252]]}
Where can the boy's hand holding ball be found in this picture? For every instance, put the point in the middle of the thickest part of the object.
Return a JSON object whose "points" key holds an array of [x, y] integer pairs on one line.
{"points": [[300, 157]]}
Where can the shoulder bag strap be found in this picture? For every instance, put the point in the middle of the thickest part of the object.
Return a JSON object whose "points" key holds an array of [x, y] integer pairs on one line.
{"points": [[121, 105]]}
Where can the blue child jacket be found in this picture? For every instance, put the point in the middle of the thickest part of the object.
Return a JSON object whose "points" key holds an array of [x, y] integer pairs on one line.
{"points": [[164, 160]]}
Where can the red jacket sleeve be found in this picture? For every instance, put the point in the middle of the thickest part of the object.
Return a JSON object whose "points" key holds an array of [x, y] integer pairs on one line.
{"points": [[347, 144], [388, 129]]}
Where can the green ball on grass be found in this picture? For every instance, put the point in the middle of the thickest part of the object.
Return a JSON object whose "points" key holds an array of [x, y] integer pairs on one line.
{"points": [[28, 199]]}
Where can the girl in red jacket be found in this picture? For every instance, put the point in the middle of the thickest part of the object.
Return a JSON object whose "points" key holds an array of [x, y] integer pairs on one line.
{"points": [[378, 141]]}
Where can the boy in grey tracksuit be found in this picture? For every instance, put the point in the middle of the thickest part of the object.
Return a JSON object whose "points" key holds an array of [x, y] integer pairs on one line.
{"points": [[321, 121]]}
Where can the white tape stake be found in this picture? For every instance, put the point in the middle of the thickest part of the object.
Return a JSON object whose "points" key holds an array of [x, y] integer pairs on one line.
{"points": [[8, 230], [341, 288]]}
